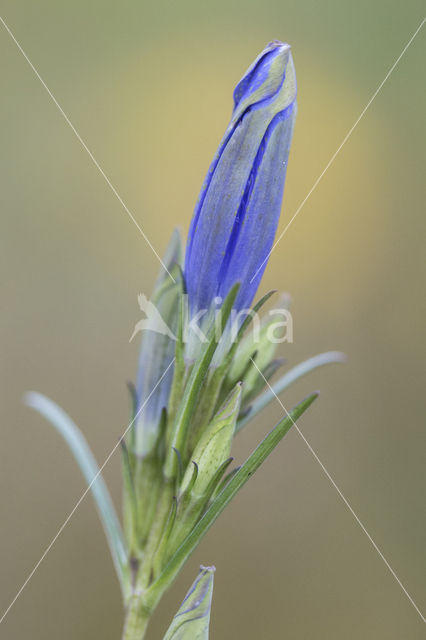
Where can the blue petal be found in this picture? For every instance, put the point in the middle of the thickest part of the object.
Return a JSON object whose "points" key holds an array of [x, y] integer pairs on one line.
{"points": [[255, 225], [237, 213]]}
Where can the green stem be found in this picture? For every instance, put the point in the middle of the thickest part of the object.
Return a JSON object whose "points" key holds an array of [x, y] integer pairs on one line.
{"points": [[136, 619]]}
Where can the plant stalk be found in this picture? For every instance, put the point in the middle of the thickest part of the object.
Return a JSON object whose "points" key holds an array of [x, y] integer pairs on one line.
{"points": [[136, 619]]}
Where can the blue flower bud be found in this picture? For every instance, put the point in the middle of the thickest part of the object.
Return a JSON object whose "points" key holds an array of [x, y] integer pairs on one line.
{"points": [[237, 213]]}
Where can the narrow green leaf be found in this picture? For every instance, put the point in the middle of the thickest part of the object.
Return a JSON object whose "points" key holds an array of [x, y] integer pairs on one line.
{"points": [[90, 470], [249, 318], [180, 466], [134, 407], [180, 345], [249, 467], [216, 479], [225, 481], [288, 379], [130, 505], [193, 618], [244, 326], [162, 546], [193, 477], [225, 380]]}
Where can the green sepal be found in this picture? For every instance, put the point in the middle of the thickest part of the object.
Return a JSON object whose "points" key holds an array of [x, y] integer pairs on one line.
{"points": [[148, 480], [133, 410], [214, 445], [220, 385], [179, 465], [158, 452], [236, 482], [193, 478], [257, 346], [185, 410], [180, 370], [205, 471], [259, 378], [162, 547], [215, 387], [130, 504], [192, 506], [249, 318]]}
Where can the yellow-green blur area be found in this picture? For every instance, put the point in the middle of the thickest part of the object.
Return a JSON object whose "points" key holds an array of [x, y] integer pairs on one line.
{"points": [[148, 86]]}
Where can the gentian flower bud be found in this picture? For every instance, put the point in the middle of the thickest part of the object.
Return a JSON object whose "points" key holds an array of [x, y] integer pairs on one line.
{"points": [[236, 216]]}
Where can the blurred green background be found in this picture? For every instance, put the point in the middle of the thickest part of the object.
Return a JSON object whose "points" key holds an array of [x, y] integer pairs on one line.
{"points": [[148, 86]]}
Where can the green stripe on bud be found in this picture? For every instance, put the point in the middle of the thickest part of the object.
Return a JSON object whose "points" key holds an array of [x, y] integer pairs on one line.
{"points": [[260, 345]]}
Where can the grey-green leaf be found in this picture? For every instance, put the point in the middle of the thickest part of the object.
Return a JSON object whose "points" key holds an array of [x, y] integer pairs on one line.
{"points": [[193, 618], [91, 472], [157, 349], [288, 379]]}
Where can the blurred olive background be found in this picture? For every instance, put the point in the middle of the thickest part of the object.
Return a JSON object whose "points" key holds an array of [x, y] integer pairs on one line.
{"points": [[148, 86]]}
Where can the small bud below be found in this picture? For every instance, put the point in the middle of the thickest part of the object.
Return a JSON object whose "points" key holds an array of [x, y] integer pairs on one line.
{"points": [[193, 618]]}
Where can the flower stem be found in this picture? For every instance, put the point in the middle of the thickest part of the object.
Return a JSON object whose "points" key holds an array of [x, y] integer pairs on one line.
{"points": [[144, 598], [136, 619]]}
